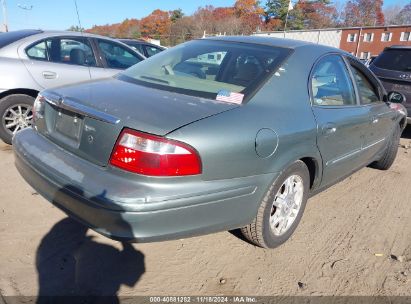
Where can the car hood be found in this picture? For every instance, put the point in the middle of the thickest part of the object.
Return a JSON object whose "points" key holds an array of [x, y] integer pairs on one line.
{"points": [[134, 106]]}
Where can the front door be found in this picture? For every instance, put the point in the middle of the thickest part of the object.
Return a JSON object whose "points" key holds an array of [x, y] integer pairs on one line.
{"points": [[340, 118]]}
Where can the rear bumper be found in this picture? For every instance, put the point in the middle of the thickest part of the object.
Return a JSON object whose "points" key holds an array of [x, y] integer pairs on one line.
{"points": [[129, 207]]}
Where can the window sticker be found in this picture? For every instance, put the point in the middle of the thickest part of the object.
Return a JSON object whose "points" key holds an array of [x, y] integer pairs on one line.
{"points": [[231, 97]]}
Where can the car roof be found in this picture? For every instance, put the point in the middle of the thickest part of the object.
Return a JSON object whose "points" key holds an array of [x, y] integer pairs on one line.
{"points": [[46, 33], [399, 47], [72, 33]]}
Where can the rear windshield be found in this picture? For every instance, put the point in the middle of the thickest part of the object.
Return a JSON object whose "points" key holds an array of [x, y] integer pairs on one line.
{"points": [[209, 69], [10, 37], [396, 60]]}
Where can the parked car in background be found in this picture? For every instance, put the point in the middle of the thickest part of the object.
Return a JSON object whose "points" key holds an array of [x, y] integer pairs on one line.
{"points": [[33, 60], [146, 48], [158, 152], [393, 68], [369, 61]]}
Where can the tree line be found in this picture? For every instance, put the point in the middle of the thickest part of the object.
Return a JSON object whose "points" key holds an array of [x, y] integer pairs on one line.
{"points": [[248, 16]]}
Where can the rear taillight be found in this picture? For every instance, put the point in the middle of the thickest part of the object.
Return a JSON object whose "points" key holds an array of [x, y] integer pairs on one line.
{"points": [[38, 108], [154, 155]]}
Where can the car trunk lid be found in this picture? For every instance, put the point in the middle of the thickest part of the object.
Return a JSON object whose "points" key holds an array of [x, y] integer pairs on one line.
{"points": [[87, 118]]}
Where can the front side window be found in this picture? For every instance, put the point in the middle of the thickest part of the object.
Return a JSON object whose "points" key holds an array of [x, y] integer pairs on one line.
{"points": [[331, 84], [116, 56], [136, 46], [208, 68], [368, 94]]}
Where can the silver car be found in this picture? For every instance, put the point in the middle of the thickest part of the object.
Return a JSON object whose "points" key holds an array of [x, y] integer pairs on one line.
{"points": [[33, 60]]}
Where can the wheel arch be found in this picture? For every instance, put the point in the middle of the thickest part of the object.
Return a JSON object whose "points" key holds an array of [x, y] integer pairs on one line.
{"points": [[403, 123], [29, 92], [314, 170]]}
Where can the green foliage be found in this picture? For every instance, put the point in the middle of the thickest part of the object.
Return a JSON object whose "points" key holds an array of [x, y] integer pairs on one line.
{"points": [[176, 14], [276, 9], [75, 28]]}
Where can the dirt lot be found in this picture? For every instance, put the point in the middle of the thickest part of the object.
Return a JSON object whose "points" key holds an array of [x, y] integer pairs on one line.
{"points": [[354, 239]]}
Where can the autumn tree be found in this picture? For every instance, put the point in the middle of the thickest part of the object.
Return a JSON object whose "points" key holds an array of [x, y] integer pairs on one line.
{"points": [[129, 28], [156, 25], [250, 13], [104, 30], [182, 29], [363, 13], [317, 14]]}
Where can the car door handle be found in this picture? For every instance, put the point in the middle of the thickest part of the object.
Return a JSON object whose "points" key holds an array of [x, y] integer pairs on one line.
{"points": [[329, 128], [49, 75]]}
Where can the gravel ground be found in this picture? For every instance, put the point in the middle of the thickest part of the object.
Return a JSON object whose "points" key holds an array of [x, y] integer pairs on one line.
{"points": [[354, 239]]}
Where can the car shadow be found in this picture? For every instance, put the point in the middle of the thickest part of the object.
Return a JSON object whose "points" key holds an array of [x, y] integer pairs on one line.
{"points": [[238, 234], [73, 268], [407, 132]]}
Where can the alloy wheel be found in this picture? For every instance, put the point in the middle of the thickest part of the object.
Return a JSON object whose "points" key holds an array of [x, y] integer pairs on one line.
{"points": [[286, 205], [17, 117]]}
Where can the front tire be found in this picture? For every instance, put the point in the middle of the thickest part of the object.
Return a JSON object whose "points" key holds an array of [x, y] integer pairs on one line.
{"points": [[281, 208], [15, 114], [390, 153]]}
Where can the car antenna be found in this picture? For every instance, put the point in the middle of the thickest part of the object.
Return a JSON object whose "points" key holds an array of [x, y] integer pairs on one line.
{"points": [[78, 16], [81, 28]]}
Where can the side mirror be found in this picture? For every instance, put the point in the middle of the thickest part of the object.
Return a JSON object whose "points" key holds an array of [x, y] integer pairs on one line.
{"points": [[396, 97]]}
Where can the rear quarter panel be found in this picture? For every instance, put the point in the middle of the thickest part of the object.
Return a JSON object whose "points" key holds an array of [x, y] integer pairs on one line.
{"points": [[14, 75]]}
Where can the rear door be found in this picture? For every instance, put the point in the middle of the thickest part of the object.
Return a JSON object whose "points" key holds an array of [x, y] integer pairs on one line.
{"points": [[379, 113], [57, 61], [341, 120]]}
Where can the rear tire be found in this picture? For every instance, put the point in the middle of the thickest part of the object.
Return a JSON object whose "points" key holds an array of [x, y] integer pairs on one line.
{"points": [[264, 231], [386, 161], [15, 115]]}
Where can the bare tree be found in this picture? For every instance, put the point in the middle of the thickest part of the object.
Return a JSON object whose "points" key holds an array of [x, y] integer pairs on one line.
{"points": [[391, 13]]}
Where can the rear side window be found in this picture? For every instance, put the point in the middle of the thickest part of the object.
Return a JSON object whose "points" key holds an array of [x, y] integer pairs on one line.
{"points": [[366, 90], [331, 84], [396, 60], [38, 51], [10, 37]]}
